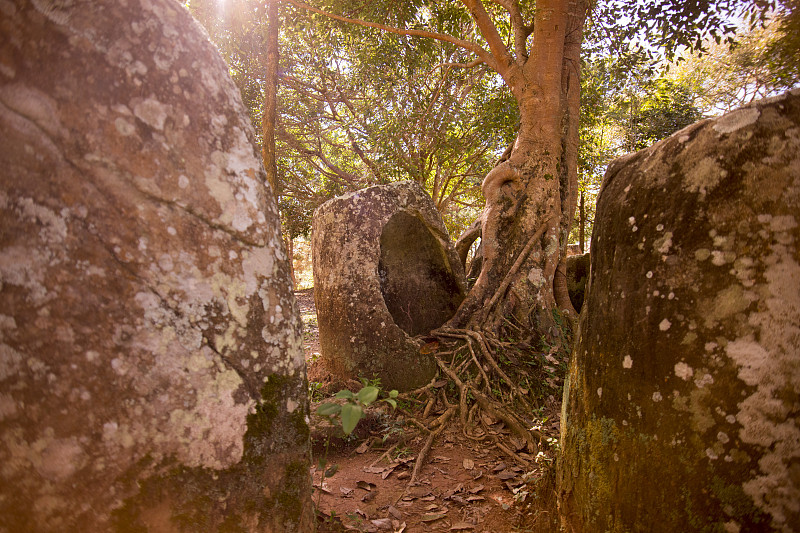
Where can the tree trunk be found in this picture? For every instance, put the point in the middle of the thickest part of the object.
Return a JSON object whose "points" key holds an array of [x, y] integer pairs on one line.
{"points": [[531, 197], [269, 112], [290, 252], [582, 222]]}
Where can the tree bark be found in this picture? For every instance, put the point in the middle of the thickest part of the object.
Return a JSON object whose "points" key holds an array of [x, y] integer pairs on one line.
{"points": [[290, 253], [534, 192], [582, 222], [269, 111]]}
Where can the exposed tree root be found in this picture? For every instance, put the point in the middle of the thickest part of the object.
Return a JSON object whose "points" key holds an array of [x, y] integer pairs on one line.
{"points": [[485, 373]]}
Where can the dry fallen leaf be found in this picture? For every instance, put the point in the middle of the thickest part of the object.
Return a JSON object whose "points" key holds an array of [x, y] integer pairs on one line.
{"points": [[432, 517], [363, 447], [507, 474], [429, 348], [461, 526], [469, 464], [395, 512], [366, 485], [382, 523], [388, 471]]}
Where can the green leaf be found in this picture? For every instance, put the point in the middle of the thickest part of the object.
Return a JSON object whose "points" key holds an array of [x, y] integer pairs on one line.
{"points": [[392, 402], [367, 395], [351, 414], [328, 409], [393, 393], [344, 394]]}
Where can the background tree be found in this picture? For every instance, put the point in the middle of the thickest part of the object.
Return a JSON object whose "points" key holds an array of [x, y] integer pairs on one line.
{"points": [[333, 126], [765, 61]]}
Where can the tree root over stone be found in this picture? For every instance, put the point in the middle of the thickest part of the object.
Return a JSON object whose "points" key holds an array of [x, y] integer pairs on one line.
{"points": [[486, 393]]}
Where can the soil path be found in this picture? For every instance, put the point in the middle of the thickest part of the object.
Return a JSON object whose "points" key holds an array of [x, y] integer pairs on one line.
{"points": [[463, 486]]}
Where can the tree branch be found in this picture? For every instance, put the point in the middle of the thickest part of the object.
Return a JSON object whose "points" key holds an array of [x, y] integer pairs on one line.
{"points": [[504, 62], [467, 45], [471, 64]]}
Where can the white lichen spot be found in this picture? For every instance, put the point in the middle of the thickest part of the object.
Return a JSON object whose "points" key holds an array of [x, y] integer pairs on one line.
{"points": [[151, 112], [718, 257], [600, 392], [632, 221], [171, 230], [732, 526], [649, 274], [703, 380], [683, 371], [736, 120], [124, 127], [702, 254], [663, 244], [723, 437], [627, 362], [536, 277], [664, 325], [291, 405], [165, 262], [657, 397], [711, 454], [782, 223], [660, 227], [183, 181]]}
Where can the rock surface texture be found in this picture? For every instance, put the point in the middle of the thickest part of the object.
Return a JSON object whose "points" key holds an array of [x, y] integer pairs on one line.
{"points": [[681, 411], [384, 271], [151, 370]]}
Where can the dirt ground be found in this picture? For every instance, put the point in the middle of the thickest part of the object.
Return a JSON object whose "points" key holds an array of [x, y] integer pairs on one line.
{"points": [[463, 486]]}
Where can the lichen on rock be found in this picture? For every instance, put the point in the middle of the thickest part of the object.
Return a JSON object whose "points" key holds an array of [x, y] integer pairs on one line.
{"points": [[144, 288], [691, 331], [384, 272]]}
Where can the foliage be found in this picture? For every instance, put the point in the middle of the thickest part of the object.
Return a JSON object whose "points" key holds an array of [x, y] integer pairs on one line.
{"points": [[763, 63], [358, 108], [627, 105], [352, 410]]}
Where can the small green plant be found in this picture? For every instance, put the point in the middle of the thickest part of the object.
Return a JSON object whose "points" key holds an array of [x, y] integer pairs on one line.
{"points": [[315, 391], [349, 414], [353, 409]]}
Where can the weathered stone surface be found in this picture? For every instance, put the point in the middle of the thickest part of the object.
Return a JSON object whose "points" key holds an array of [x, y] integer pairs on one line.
{"points": [[577, 277], [384, 271], [681, 412], [151, 369]]}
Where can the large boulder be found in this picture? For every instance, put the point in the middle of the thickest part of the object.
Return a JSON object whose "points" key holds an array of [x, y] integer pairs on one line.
{"points": [[151, 370], [681, 411], [384, 272]]}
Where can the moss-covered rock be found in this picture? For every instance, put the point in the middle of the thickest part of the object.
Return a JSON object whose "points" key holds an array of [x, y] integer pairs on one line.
{"points": [[681, 409]]}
